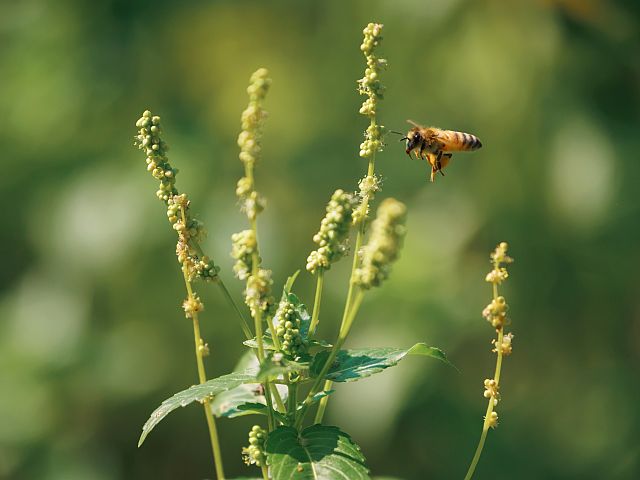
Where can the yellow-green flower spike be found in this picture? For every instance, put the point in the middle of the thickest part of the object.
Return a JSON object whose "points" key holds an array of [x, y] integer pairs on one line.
{"points": [[254, 453], [334, 232], [383, 248], [189, 230]]}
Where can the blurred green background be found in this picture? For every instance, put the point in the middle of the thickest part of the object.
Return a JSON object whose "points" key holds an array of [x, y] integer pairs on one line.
{"points": [[92, 337]]}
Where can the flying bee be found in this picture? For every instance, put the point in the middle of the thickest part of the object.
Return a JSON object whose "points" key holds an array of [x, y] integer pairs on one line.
{"points": [[434, 145]]}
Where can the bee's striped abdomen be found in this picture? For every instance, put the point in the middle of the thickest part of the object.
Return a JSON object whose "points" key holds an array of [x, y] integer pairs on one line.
{"points": [[461, 141]]}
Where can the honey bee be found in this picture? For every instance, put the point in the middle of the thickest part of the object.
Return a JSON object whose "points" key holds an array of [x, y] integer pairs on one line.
{"points": [[436, 144]]}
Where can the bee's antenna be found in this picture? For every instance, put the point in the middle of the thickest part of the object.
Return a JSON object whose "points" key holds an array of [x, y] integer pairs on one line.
{"points": [[399, 133]]}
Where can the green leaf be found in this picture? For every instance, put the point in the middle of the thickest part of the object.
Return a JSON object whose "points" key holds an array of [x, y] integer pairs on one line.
{"points": [[317, 397], [239, 401], [260, 409], [289, 283], [270, 369], [318, 452], [196, 393], [352, 365], [267, 342]]}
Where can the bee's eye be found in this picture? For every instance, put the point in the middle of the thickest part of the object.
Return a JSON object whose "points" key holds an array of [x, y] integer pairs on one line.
{"points": [[413, 141]]}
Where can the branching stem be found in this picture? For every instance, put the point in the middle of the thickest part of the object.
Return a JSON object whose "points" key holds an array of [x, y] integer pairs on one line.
{"points": [[487, 418]]}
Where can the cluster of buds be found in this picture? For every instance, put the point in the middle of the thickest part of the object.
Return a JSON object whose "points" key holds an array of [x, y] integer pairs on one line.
{"points": [[372, 141], [499, 258], [244, 245], [491, 420], [371, 86], [369, 185], [504, 347], [254, 454], [383, 248], [287, 326], [258, 293], [334, 232], [496, 312], [253, 117], [250, 142], [150, 141], [491, 390], [192, 305], [190, 230]]}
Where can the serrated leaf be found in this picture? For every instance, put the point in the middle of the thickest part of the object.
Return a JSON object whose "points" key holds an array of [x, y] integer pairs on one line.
{"points": [[238, 401], [195, 393], [352, 365], [318, 452]]}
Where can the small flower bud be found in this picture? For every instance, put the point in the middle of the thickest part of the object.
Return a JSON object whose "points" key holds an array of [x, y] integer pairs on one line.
{"points": [[192, 305], [491, 389], [492, 420], [505, 347]]}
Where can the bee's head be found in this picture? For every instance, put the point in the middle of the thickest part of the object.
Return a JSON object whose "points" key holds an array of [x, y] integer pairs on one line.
{"points": [[413, 139]]}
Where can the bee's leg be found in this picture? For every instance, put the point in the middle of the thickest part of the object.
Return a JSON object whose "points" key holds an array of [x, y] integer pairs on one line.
{"points": [[444, 161], [438, 165], [433, 174]]}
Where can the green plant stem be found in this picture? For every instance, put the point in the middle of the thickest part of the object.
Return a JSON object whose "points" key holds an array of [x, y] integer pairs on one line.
{"points": [[258, 319], [315, 316], [265, 472], [342, 336], [293, 398], [322, 406], [272, 387], [496, 377], [202, 377]]}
